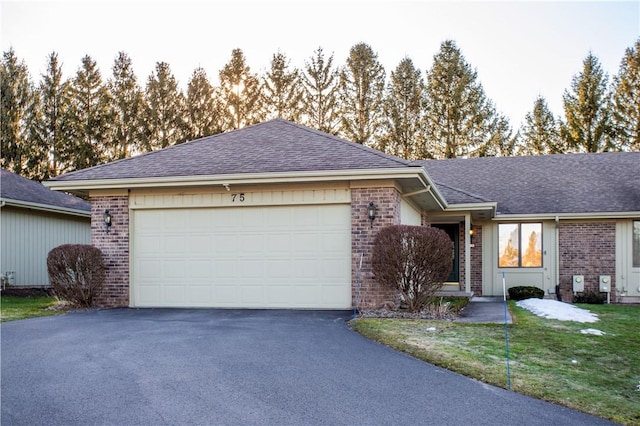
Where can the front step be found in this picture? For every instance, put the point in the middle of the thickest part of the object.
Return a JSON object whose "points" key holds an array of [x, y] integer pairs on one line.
{"points": [[486, 299], [448, 293]]}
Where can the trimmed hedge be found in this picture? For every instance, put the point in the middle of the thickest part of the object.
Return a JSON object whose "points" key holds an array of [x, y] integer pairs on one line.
{"points": [[590, 297], [525, 292], [76, 273]]}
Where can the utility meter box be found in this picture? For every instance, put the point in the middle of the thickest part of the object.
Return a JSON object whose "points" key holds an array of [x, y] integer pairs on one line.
{"points": [[578, 283], [605, 283]]}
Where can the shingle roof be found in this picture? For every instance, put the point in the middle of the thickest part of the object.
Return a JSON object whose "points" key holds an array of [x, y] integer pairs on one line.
{"points": [[20, 189], [562, 183], [270, 147]]}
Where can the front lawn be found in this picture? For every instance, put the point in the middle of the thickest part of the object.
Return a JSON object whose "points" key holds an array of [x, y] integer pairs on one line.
{"points": [[16, 308], [549, 359]]}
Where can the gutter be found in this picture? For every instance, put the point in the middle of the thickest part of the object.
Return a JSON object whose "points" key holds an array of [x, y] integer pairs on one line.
{"points": [[568, 216], [45, 208], [83, 186], [244, 178]]}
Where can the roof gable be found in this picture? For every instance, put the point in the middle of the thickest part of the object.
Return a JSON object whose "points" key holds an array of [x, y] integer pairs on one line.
{"points": [[270, 147], [22, 190], [561, 183]]}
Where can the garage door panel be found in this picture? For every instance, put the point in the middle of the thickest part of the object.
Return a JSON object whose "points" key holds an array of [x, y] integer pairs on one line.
{"points": [[253, 257], [251, 243], [148, 294], [148, 268]]}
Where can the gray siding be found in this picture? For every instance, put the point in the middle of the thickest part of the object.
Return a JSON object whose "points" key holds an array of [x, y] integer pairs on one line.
{"points": [[27, 236]]}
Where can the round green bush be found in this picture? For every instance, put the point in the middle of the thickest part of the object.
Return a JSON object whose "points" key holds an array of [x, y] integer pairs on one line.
{"points": [[525, 292]]}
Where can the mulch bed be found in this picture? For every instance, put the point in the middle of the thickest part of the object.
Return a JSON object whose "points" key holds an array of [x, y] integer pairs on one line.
{"points": [[27, 292], [402, 314]]}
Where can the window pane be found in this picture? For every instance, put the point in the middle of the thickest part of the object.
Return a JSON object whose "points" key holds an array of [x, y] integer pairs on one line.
{"points": [[531, 245], [508, 245], [636, 244]]}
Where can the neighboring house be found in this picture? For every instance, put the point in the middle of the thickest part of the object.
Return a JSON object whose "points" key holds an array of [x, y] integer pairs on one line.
{"points": [[33, 220], [275, 215]]}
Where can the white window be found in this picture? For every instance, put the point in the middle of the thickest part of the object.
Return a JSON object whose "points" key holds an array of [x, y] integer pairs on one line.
{"points": [[519, 245]]}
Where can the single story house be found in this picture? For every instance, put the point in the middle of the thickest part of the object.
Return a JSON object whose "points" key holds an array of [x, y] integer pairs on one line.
{"points": [[33, 220], [277, 215]]}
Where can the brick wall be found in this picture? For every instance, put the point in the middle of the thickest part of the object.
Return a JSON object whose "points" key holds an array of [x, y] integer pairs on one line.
{"points": [[587, 249], [476, 261], [114, 245], [371, 295]]}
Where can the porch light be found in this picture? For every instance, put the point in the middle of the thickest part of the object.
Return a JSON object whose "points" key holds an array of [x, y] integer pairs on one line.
{"points": [[107, 219], [371, 212]]}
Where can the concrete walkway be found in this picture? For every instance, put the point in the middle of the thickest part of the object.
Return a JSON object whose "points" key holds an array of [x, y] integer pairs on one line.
{"points": [[484, 310]]}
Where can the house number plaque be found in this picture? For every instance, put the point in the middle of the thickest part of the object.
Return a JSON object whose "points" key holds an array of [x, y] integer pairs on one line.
{"points": [[237, 197]]}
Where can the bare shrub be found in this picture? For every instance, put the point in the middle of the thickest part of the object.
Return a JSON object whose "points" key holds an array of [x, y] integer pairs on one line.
{"points": [[76, 273], [415, 260]]}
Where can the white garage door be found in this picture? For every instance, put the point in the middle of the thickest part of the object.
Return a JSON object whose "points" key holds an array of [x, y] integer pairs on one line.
{"points": [[249, 257]]}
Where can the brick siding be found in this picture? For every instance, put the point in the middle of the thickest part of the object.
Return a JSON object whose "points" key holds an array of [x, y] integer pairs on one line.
{"points": [[370, 295], [114, 246], [476, 261], [587, 249]]}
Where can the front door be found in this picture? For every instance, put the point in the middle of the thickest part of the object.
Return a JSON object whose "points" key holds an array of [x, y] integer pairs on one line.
{"points": [[453, 230]]}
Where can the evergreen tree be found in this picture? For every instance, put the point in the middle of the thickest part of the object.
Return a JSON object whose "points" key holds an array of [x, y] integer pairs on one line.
{"points": [[457, 111], [165, 110], [202, 104], [240, 93], [89, 117], [587, 126], [49, 156], [320, 99], [127, 110], [362, 84], [403, 112], [499, 142], [540, 132], [282, 90], [17, 98], [626, 100]]}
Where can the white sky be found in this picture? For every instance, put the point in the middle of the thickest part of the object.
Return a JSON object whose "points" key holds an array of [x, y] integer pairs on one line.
{"points": [[519, 49]]}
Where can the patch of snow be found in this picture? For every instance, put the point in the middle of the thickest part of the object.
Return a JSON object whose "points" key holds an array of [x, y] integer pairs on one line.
{"points": [[553, 309], [431, 329], [593, 331]]}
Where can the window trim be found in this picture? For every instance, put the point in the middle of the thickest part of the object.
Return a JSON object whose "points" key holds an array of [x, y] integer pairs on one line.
{"points": [[520, 245]]}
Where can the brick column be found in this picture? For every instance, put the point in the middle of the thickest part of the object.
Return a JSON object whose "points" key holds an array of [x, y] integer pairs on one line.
{"points": [[371, 295], [476, 261], [589, 249], [114, 246]]}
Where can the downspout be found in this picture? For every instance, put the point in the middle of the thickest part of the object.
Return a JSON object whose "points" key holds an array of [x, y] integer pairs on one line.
{"points": [[557, 259], [467, 253]]}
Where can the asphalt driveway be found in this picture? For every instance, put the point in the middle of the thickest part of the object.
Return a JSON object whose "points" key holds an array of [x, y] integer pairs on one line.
{"points": [[228, 367]]}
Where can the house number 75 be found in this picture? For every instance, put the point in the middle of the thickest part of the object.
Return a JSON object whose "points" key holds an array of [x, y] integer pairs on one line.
{"points": [[239, 197]]}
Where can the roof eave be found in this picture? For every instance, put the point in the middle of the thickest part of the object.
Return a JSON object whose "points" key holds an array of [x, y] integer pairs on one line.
{"points": [[567, 216], [84, 186], [44, 207]]}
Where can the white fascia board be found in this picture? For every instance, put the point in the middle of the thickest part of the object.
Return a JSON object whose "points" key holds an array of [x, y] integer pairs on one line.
{"points": [[44, 207], [473, 207], [568, 216], [236, 179]]}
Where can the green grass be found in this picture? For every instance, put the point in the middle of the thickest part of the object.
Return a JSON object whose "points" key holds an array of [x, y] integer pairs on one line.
{"points": [[602, 381], [16, 308]]}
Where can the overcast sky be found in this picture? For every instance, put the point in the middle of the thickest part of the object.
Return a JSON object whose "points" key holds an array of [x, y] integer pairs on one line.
{"points": [[519, 49]]}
